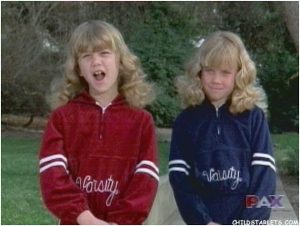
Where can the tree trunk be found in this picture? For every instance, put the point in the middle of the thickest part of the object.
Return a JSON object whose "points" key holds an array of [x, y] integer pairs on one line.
{"points": [[291, 17]]}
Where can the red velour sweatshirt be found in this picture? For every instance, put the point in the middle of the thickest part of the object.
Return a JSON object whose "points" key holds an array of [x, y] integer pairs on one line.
{"points": [[102, 160]]}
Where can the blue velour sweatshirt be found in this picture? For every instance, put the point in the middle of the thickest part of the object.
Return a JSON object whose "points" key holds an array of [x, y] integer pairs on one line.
{"points": [[217, 160]]}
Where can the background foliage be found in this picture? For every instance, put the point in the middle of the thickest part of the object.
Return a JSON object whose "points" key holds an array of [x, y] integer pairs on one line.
{"points": [[34, 35]]}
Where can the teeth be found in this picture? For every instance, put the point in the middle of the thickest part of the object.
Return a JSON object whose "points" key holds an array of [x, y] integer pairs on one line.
{"points": [[99, 75]]}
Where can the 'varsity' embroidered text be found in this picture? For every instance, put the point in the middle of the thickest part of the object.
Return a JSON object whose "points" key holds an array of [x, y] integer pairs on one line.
{"points": [[90, 185]]}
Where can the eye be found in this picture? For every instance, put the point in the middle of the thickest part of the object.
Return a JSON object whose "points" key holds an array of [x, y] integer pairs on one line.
{"points": [[85, 55], [208, 70], [105, 52], [227, 72]]}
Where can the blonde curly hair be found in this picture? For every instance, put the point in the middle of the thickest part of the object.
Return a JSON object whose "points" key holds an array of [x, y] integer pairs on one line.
{"points": [[98, 35], [219, 49]]}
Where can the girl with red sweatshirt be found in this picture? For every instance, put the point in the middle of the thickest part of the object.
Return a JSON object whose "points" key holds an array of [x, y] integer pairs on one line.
{"points": [[98, 158]]}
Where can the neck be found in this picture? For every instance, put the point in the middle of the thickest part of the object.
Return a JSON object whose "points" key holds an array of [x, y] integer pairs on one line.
{"points": [[105, 99], [217, 104]]}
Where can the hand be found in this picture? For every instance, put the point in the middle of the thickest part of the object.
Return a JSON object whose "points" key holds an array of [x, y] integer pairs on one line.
{"points": [[86, 217]]}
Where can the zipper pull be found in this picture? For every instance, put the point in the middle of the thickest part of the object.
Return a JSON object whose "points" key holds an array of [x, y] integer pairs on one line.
{"points": [[218, 126]]}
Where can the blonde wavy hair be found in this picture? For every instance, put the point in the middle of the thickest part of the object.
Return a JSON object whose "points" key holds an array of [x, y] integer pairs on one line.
{"points": [[99, 35], [219, 49]]}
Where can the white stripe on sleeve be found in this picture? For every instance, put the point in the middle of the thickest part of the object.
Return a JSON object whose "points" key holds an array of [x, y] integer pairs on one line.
{"points": [[264, 163], [52, 157], [52, 164], [148, 163], [178, 169], [148, 171], [179, 161], [262, 155]]}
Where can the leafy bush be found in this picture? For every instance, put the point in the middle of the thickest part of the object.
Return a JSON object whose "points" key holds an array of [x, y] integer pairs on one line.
{"points": [[160, 33], [275, 56]]}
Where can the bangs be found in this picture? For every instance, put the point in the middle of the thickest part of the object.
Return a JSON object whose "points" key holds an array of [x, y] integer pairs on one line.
{"points": [[220, 55], [93, 38]]}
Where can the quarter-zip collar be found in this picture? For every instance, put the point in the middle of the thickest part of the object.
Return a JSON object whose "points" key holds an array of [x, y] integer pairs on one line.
{"points": [[86, 98], [216, 113]]}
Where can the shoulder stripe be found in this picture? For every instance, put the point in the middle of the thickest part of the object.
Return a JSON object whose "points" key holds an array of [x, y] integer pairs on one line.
{"points": [[178, 169], [264, 163], [262, 155], [149, 172]]}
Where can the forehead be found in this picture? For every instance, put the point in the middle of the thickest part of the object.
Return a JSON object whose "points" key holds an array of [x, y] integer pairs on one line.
{"points": [[93, 38], [93, 45], [221, 60], [220, 54], [223, 67], [93, 48]]}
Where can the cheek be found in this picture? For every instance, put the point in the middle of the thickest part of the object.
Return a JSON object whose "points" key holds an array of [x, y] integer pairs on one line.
{"points": [[117, 63], [80, 68], [231, 83], [203, 78], [206, 82], [115, 66]]}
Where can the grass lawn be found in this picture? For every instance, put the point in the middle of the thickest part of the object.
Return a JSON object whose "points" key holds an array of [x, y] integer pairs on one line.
{"points": [[285, 140], [286, 152], [21, 202]]}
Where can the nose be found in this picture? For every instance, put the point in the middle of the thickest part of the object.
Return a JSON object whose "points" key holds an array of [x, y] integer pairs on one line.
{"points": [[216, 78], [96, 59]]}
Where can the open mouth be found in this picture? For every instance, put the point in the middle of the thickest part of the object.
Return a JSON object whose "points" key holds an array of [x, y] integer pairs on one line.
{"points": [[99, 75]]}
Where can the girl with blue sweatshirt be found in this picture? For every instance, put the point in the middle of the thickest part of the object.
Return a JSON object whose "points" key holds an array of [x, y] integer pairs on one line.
{"points": [[221, 161]]}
